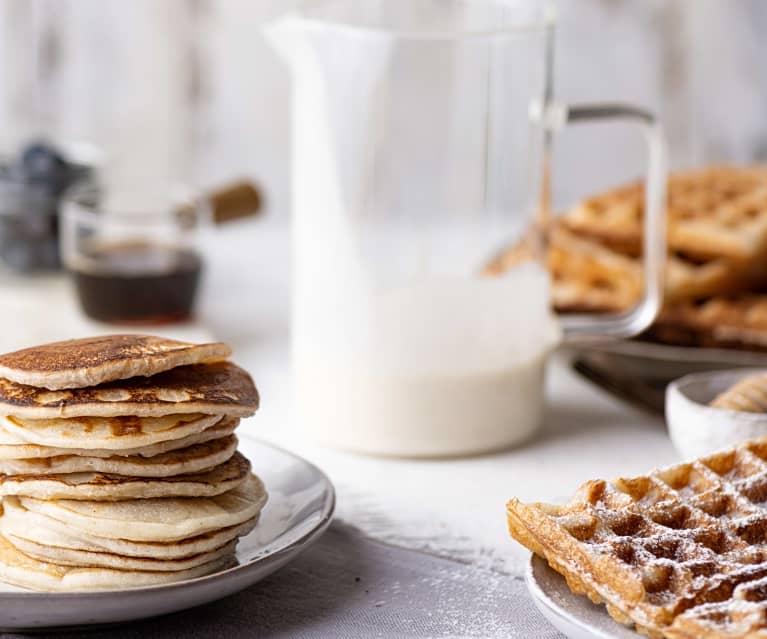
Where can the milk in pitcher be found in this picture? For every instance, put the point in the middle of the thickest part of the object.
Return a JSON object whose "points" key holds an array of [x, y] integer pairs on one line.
{"points": [[440, 366]]}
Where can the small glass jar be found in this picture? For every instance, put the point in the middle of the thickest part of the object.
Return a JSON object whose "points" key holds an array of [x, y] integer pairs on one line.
{"points": [[31, 188], [134, 256]]}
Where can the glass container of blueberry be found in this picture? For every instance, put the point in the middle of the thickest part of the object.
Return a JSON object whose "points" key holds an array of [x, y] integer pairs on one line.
{"points": [[32, 184]]}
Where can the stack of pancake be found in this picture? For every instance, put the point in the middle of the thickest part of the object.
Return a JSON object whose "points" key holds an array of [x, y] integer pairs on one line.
{"points": [[118, 462]]}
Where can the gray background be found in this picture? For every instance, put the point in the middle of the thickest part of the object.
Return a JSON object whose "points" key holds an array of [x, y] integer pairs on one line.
{"points": [[189, 89]]}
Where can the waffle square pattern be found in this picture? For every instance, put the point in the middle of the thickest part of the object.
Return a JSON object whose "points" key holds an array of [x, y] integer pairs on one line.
{"points": [[714, 212], [678, 553]]}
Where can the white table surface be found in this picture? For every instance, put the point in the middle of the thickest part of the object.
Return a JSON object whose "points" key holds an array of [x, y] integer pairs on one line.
{"points": [[453, 508]]}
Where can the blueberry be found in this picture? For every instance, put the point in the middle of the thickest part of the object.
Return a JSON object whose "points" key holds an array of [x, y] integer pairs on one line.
{"points": [[41, 161]]}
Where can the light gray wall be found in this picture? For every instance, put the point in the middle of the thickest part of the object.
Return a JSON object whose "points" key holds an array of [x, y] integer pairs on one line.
{"points": [[701, 64], [188, 88]]}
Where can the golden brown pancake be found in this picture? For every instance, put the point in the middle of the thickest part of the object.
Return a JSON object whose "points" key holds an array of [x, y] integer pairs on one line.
{"points": [[192, 459], [51, 553], [161, 519], [218, 388], [22, 570], [15, 447], [116, 433], [106, 487], [33, 526], [78, 363]]}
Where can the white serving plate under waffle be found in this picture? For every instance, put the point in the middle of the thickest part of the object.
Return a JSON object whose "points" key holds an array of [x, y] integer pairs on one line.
{"points": [[573, 615]]}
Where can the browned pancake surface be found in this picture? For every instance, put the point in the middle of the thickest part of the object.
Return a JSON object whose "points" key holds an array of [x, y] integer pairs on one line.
{"points": [[191, 459], [221, 387], [93, 360], [109, 487]]}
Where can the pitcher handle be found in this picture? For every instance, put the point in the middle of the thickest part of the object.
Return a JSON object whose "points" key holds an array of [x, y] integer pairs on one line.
{"points": [[579, 328]]}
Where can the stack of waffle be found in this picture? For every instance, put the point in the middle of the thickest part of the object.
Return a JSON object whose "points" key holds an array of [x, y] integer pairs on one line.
{"points": [[118, 462], [716, 270], [679, 553]]}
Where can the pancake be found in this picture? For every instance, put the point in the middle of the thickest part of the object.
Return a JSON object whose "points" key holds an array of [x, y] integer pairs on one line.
{"points": [[162, 520], [78, 363], [14, 447], [21, 570], [26, 524], [219, 388], [106, 487], [193, 459], [113, 433], [49, 552]]}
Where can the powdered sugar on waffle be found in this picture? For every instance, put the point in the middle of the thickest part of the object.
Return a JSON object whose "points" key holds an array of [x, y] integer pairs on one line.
{"points": [[663, 544]]}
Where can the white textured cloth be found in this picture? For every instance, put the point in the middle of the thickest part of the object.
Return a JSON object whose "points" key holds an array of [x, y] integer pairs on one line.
{"points": [[349, 587]]}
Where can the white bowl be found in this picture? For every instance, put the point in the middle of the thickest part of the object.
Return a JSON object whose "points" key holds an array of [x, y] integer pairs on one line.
{"points": [[698, 429]]}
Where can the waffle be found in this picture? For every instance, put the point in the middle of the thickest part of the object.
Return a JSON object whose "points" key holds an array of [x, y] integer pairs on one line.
{"points": [[586, 277], [509, 257], [719, 212], [678, 553], [716, 268], [738, 322], [589, 277]]}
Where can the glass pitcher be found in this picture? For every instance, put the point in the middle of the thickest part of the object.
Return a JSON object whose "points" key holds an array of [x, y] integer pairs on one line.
{"points": [[420, 136]]}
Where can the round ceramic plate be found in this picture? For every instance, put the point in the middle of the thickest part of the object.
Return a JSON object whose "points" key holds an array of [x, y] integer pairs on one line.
{"points": [[638, 372], [573, 615], [649, 360], [300, 507]]}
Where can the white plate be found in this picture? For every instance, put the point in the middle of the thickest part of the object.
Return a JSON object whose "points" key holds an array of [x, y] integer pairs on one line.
{"points": [[698, 429], [651, 361], [638, 372], [300, 507], [573, 615]]}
